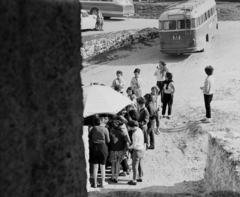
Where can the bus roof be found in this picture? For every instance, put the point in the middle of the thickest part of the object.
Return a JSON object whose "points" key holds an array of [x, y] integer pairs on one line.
{"points": [[188, 9]]}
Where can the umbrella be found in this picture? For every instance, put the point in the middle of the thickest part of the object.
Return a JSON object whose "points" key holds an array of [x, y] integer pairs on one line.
{"points": [[98, 99]]}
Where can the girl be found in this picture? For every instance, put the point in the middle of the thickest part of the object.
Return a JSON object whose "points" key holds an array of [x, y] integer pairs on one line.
{"points": [[117, 147], [136, 83], [132, 96], [168, 92]]}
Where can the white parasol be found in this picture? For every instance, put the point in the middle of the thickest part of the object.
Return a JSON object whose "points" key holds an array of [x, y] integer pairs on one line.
{"points": [[98, 99]]}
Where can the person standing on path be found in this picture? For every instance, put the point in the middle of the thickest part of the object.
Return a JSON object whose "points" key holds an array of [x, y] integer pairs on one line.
{"points": [[100, 137], [208, 89], [160, 74], [153, 123], [168, 92], [137, 153], [118, 82], [143, 118], [136, 83]]}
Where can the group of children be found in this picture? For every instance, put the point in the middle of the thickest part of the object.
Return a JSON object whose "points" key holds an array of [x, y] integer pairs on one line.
{"points": [[163, 91], [115, 139]]}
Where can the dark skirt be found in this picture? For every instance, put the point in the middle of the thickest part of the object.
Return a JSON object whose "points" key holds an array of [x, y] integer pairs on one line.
{"points": [[98, 153]]}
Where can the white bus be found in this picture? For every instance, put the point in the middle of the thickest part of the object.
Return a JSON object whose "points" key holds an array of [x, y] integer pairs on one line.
{"points": [[188, 26], [109, 8]]}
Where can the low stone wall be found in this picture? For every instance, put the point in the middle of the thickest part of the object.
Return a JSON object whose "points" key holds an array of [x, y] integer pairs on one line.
{"points": [[222, 171], [149, 10], [110, 41]]}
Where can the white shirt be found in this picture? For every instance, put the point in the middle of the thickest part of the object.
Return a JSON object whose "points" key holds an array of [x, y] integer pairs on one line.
{"points": [[160, 76], [138, 140], [208, 87]]}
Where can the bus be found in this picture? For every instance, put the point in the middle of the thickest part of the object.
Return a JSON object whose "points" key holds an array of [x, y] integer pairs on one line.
{"points": [[188, 26], [109, 8]]}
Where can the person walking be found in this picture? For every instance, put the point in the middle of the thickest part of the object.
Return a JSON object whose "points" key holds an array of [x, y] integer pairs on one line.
{"points": [[118, 83], [208, 90], [99, 151], [168, 92], [136, 83], [138, 151], [160, 74]]}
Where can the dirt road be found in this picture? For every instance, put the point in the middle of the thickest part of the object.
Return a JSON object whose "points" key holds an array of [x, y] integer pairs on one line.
{"points": [[177, 163]]}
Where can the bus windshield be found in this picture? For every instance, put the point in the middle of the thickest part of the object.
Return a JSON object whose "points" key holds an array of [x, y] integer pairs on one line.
{"points": [[183, 24]]}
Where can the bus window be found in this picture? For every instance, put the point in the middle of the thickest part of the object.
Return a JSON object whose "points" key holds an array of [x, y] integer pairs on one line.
{"points": [[194, 23], [206, 16], [209, 14], [160, 25], [199, 21], [169, 25], [183, 24]]}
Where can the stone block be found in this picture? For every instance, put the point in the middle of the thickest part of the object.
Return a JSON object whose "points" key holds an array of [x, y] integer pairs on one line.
{"points": [[223, 162]]}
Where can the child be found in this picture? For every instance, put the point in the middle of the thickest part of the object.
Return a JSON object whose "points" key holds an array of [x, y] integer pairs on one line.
{"points": [[168, 91], [136, 83], [208, 92], [132, 97], [118, 83], [156, 97], [138, 148], [99, 23]]}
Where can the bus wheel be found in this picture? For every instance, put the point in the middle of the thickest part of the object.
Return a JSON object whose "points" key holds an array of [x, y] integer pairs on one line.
{"points": [[107, 17], [93, 11]]}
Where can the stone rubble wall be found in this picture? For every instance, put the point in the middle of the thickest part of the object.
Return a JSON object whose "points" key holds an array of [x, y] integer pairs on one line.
{"points": [[149, 10], [222, 171], [116, 40]]}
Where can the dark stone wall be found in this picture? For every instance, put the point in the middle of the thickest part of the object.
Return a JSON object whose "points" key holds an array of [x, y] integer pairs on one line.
{"points": [[41, 147]]}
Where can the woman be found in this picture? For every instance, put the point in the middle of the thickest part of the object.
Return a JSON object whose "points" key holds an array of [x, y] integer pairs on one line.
{"points": [[99, 136], [117, 147], [160, 74], [168, 91], [136, 83]]}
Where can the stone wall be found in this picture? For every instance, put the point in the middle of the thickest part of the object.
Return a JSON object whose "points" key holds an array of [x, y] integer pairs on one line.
{"points": [[222, 171], [116, 40], [41, 146], [149, 10]]}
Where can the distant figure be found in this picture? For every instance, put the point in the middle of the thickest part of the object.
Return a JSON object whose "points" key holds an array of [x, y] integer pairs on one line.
{"points": [[168, 91], [136, 83], [160, 74], [208, 89], [99, 23], [118, 83]]}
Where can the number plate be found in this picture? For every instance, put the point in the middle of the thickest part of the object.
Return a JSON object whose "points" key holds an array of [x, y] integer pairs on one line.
{"points": [[176, 37]]}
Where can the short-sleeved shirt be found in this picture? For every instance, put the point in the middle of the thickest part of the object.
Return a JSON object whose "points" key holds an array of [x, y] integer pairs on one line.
{"points": [[99, 135]]}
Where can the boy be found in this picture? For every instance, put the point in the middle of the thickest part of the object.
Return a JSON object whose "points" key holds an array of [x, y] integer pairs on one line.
{"points": [[208, 92]]}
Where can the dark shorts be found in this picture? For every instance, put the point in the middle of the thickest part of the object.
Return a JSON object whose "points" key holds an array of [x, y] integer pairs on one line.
{"points": [[99, 154]]}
